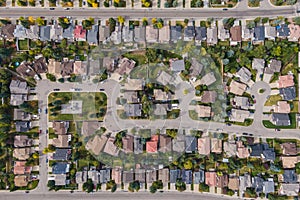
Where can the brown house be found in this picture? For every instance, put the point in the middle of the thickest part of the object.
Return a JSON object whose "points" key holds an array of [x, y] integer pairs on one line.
{"points": [[289, 149], [222, 181], [128, 144], [165, 143], [236, 33]]}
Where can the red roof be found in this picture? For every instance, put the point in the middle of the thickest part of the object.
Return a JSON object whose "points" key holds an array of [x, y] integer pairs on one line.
{"points": [[211, 178], [151, 146], [79, 32], [154, 138], [286, 81]]}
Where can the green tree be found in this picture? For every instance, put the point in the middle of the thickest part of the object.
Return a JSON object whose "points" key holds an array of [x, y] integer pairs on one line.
{"points": [[180, 185], [88, 186]]}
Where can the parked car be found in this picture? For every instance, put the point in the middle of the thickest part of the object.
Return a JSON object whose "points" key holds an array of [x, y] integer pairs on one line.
{"points": [[52, 8], [228, 124], [67, 9], [39, 110], [101, 89], [78, 89], [225, 9], [40, 131], [56, 89], [46, 111]]}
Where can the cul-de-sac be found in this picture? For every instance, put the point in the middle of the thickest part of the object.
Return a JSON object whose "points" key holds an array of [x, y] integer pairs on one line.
{"points": [[149, 99]]}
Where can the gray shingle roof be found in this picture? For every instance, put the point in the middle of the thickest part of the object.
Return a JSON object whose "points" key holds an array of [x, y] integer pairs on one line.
{"points": [[175, 33], [92, 35], [288, 93], [45, 33], [60, 168], [259, 33], [62, 154]]}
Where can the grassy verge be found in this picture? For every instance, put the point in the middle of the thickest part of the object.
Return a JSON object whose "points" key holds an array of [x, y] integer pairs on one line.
{"points": [[273, 99]]}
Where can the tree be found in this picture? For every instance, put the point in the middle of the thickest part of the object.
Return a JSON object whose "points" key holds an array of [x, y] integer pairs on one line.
{"points": [[155, 186], [51, 184], [145, 21], [121, 20], [203, 187], [134, 186], [88, 186], [186, 21], [228, 23], [151, 54], [111, 185], [188, 164], [180, 185], [51, 77], [172, 133]]}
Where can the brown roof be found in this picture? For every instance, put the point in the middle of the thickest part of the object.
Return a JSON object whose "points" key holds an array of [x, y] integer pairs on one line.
{"points": [[216, 145], [211, 178], [127, 177], [116, 175], [289, 162], [22, 153], [96, 144], [22, 141], [204, 146], [286, 81], [127, 143], [165, 143], [7, 31], [242, 151], [234, 183], [54, 67], [209, 96], [21, 181], [67, 68], [21, 168], [39, 65], [151, 176], [60, 128], [289, 148], [25, 70], [222, 181], [236, 33], [125, 66], [163, 175], [61, 141]]}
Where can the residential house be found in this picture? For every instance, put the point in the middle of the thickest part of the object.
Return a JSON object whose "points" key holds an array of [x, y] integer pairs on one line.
{"points": [[241, 102], [245, 182], [61, 168], [244, 74], [164, 78], [289, 189], [110, 148], [203, 111], [259, 34], [189, 33], [289, 162], [196, 68], [7, 31], [94, 175], [18, 87], [62, 154], [151, 176], [127, 177], [109, 64], [242, 151], [23, 126], [125, 66], [274, 66], [21, 168], [211, 179], [56, 32], [268, 186], [282, 107], [289, 149], [104, 175], [127, 34], [92, 35], [262, 151], [127, 142], [247, 34], [163, 175], [283, 31], [152, 145], [103, 33], [79, 68], [20, 32], [187, 176], [22, 153], [160, 109], [174, 175], [45, 33], [235, 35], [294, 32], [234, 183], [208, 79], [258, 65], [200, 34], [116, 175], [40, 66], [68, 33], [175, 33], [21, 181], [22, 141], [67, 68], [116, 36], [257, 184], [280, 119], [62, 141], [18, 99], [216, 145], [137, 145], [270, 32], [134, 84], [54, 67], [223, 34], [133, 110], [177, 65], [139, 34], [212, 35], [160, 95], [286, 81], [230, 148], [131, 96], [33, 32], [19, 114], [60, 127], [288, 93], [178, 143], [190, 144], [165, 143], [26, 70], [204, 146], [239, 115], [198, 177], [164, 34], [81, 177], [60, 179], [237, 88], [222, 181], [289, 176], [96, 144], [151, 34], [208, 97]]}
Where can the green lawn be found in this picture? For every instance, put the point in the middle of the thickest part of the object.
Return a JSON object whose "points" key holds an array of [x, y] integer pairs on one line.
{"points": [[273, 99], [138, 56], [93, 105], [141, 71], [253, 3], [23, 45], [270, 125]]}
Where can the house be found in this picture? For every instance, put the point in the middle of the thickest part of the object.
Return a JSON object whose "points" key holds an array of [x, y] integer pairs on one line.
{"points": [[196, 68], [286, 81], [62, 141], [22, 141], [160, 95], [289, 162], [26, 70], [104, 176], [133, 110], [280, 119], [258, 64], [33, 32], [127, 34], [257, 184], [241, 102], [177, 65], [134, 84], [235, 35], [110, 148], [152, 145], [67, 68], [127, 142], [262, 150], [20, 32], [247, 34], [164, 34], [274, 66], [189, 33], [18, 99], [7, 31], [160, 109], [116, 36], [94, 175], [242, 151], [198, 177], [178, 143], [211, 179], [283, 31], [174, 175], [175, 33], [68, 33], [54, 67], [96, 144], [127, 176], [204, 146], [18, 87], [40, 66], [139, 34], [223, 34], [222, 181], [208, 97], [116, 175], [234, 183], [21, 168], [245, 182], [22, 153], [208, 79], [230, 149], [165, 143], [270, 32], [163, 175], [203, 111], [45, 33], [19, 114], [294, 32], [151, 34], [60, 179], [125, 66], [81, 177], [60, 127], [56, 32], [289, 189], [259, 34], [190, 144], [23, 126], [109, 64], [288, 93], [79, 68], [237, 88], [60, 168], [92, 35], [164, 78], [62, 154], [151, 176], [268, 186], [187, 176], [90, 127], [137, 145], [103, 33], [200, 34], [289, 149], [282, 107], [290, 176], [21, 181], [239, 115], [216, 145], [244, 74]]}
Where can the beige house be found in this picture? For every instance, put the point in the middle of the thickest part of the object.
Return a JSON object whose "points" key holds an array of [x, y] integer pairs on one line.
{"points": [[203, 111], [289, 162], [96, 144], [237, 88], [204, 146]]}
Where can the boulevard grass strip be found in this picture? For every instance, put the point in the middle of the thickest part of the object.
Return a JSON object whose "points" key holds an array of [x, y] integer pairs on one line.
{"points": [[270, 125], [93, 105]]}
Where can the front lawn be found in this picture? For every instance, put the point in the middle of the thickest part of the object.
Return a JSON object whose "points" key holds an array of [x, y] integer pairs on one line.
{"points": [[23, 45], [270, 125], [93, 105], [253, 3], [273, 99]]}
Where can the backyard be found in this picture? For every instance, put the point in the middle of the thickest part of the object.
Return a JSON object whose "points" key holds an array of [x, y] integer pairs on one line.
{"points": [[93, 106]]}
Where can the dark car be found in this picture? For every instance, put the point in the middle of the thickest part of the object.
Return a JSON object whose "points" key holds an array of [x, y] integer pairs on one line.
{"points": [[56, 89], [52, 8], [228, 124], [101, 89], [225, 9], [46, 111]]}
